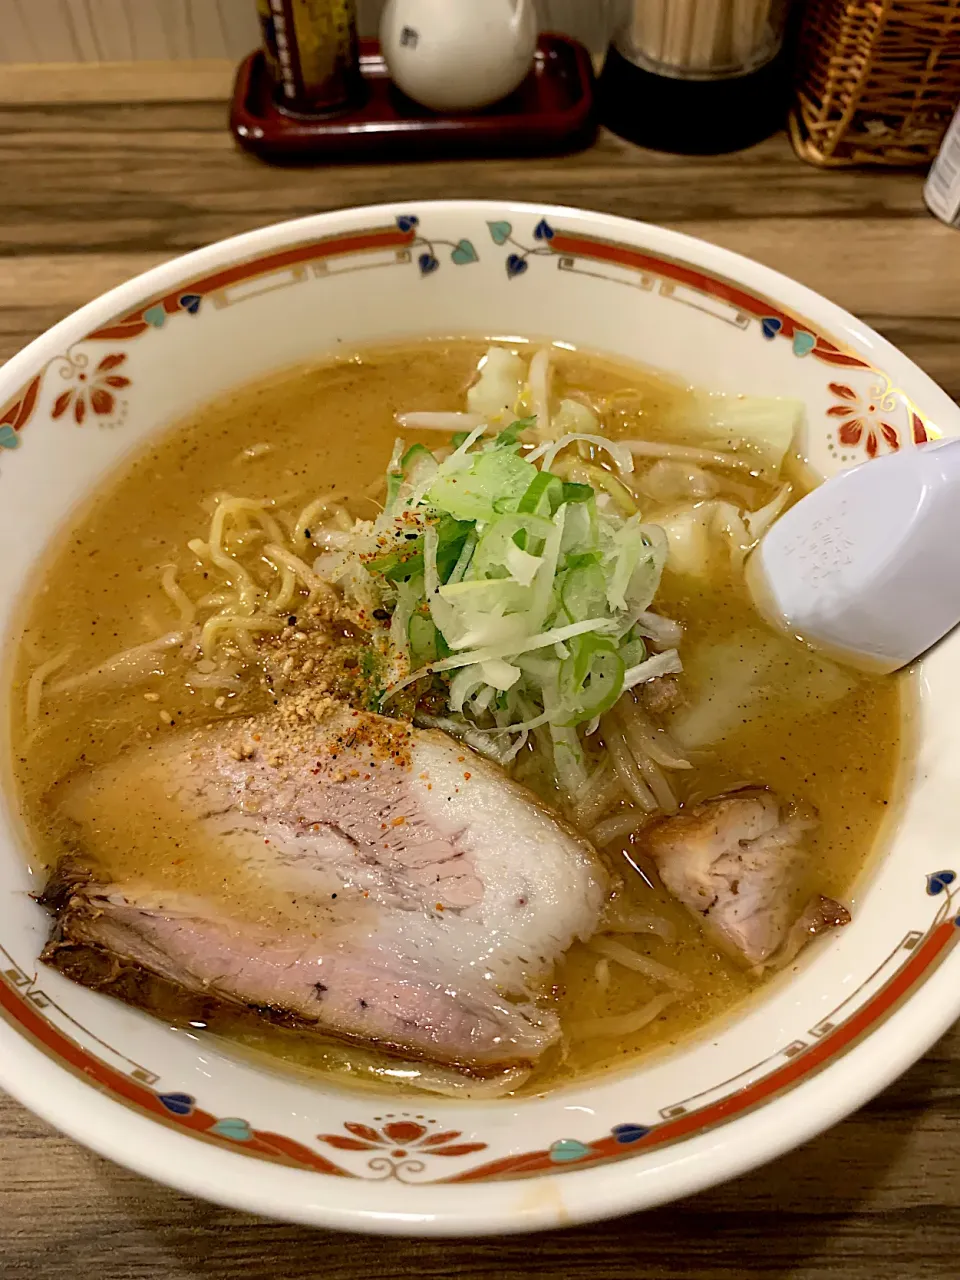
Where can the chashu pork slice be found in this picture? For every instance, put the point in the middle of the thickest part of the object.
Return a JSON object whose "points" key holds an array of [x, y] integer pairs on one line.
{"points": [[355, 875], [734, 862]]}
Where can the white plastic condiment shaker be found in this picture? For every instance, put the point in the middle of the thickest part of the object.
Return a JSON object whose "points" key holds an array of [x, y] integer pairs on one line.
{"points": [[458, 55], [868, 565]]}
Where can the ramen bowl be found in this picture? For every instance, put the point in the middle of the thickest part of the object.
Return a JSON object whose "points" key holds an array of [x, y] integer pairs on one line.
{"points": [[856, 1010]]}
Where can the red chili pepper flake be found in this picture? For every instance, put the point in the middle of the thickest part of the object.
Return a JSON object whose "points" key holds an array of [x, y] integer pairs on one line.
{"points": [[439, 906], [468, 776]]}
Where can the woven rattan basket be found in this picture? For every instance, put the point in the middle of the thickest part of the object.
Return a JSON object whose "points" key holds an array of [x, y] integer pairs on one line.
{"points": [[877, 81]]}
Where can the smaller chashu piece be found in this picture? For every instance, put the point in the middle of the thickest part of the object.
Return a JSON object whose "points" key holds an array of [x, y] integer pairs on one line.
{"points": [[734, 862]]}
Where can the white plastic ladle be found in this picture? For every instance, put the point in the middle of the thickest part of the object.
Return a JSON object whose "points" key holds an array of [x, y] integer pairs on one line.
{"points": [[868, 564]]}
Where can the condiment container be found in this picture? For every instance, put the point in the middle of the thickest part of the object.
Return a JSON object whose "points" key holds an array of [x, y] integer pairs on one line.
{"points": [[312, 53], [458, 55], [698, 76]]}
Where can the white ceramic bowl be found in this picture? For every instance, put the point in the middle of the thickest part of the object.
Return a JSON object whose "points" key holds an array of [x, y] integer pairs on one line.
{"points": [[856, 1012]]}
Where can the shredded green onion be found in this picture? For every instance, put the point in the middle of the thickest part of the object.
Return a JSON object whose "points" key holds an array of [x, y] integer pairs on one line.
{"points": [[523, 592]]}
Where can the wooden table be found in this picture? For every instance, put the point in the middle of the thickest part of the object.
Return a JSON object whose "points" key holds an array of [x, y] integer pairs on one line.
{"points": [[92, 193]]}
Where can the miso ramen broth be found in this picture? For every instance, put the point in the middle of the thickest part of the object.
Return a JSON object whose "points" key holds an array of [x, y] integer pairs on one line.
{"points": [[748, 708]]}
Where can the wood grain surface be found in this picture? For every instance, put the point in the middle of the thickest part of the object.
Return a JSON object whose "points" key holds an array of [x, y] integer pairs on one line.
{"points": [[91, 194]]}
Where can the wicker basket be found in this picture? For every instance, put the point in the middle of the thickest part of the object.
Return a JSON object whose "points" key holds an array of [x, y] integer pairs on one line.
{"points": [[877, 81]]}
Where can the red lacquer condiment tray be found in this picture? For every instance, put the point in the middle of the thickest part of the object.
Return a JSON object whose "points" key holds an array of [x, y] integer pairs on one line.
{"points": [[552, 111]]}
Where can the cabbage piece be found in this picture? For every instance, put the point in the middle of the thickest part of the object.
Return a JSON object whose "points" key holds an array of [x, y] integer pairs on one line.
{"points": [[766, 425], [730, 681], [574, 418], [497, 391]]}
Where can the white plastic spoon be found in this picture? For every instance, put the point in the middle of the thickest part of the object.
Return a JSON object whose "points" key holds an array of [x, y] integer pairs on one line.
{"points": [[868, 564]]}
